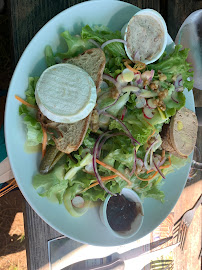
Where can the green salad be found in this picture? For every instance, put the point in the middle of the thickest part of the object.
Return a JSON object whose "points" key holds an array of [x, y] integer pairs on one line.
{"points": [[122, 147]]}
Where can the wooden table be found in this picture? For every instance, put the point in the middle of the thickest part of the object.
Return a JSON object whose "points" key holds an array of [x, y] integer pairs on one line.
{"points": [[27, 17]]}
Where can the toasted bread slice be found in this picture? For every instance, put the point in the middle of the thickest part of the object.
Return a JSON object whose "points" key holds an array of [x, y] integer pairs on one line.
{"points": [[93, 62], [179, 137], [69, 137], [183, 131]]}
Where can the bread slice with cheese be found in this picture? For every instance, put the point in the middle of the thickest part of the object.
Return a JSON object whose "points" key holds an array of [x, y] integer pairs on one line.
{"points": [[69, 137], [179, 137]]}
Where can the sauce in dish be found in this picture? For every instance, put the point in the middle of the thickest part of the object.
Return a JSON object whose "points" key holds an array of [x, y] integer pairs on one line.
{"points": [[145, 37], [121, 213]]}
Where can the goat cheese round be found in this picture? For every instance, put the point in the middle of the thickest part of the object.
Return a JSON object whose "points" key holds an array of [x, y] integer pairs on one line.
{"points": [[65, 93], [146, 36]]}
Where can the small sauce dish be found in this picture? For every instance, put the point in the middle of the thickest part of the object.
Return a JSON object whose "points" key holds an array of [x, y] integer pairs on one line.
{"points": [[146, 36], [132, 198]]}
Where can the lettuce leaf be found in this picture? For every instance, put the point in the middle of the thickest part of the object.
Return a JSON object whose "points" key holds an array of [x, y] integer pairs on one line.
{"points": [[76, 45], [34, 130], [95, 193], [49, 56], [34, 135], [172, 107], [101, 34], [175, 64], [152, 192], [88, 141], [134, 121], [114, 52], [51, 185], [30, 92]]}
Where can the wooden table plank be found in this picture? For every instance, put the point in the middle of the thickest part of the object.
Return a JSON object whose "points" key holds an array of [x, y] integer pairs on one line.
{"points": [[37, 234], [27, 17]]}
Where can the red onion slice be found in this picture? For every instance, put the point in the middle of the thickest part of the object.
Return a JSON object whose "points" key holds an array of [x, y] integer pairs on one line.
{"points": [[157, 168], [94, 42], [124, 127], [105, 139], [113, 40], [139, 162], [95, 149], [146, 155], [134, 164]]}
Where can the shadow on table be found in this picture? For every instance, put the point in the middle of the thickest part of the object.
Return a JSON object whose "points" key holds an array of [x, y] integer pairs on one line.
{"points": [[12, 237]]}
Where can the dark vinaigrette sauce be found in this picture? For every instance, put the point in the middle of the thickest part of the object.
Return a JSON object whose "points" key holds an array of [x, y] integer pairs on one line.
{"points": [[121, 213]]}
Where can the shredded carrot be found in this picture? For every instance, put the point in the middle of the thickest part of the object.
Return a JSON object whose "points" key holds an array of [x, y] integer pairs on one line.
{"points": [[148, 123], [44, 143], [147, 179], [139, 65], [169, 160], [151, 135], [25, 102], [105, 178], [165, 166], [114, 170], [130, 68]]}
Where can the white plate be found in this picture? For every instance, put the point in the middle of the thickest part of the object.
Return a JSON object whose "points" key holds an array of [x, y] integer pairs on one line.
{"points": [[88, 228]]}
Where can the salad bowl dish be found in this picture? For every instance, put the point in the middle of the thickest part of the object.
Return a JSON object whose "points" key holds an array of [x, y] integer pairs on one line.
{"points": [[65, 168]]}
